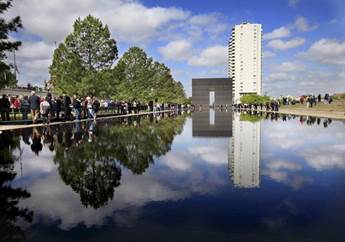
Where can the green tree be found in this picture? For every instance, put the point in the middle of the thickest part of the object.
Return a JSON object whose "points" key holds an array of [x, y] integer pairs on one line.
{"points": [[140, 77], [80, 63], [254, 99], [6, 77]]}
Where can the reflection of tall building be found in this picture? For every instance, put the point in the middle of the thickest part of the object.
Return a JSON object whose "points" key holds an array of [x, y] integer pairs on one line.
{"points": [[244, 153]]}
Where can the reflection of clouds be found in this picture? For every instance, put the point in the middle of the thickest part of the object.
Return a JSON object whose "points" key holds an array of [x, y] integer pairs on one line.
{"points": [[176, 161], [53, 200], [285, 172], [283, 164], [325, 157], [315, 146], [33, 164], [210, 154]]}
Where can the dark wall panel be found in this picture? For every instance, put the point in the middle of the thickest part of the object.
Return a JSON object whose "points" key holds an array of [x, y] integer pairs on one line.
{"points": [[202, 87]]}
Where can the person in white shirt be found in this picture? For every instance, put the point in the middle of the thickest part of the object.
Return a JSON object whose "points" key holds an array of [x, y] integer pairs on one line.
{"points": [[44, 110]]}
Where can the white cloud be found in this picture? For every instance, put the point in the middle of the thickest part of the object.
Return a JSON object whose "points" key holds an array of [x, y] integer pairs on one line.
{"points": [[278, 33], [204, 19], [35, 50], [303, 25], [176, 161], [289, 66], [176, 50], [285, 45], [328, 51], [326, 157], [212, 56], [211, 154], [211, 22], [284, 165], [268, 54], [293, 3], [129, 21], [277, 76]]}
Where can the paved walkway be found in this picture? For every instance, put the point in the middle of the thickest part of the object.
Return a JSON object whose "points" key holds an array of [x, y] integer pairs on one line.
{"points": [[23, 126]]}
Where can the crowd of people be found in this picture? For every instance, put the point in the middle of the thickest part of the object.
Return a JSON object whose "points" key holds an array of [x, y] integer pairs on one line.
{"points": [[66, 108], [309, 100], [273, 105]]}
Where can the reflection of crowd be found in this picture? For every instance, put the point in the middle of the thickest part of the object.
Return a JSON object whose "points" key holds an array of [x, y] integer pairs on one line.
{"points": [[76, 134], [308, 120]]}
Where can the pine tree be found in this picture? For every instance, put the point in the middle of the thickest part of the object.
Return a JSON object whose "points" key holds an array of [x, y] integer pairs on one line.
{"points": [[6, 26], [80, 63]]}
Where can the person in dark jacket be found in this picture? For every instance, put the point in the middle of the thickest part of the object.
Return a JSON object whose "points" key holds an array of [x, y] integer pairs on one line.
{"points": [[58, 105], [24, 107], [34, 102], [77, 107], [5, 108], [67, 107]]}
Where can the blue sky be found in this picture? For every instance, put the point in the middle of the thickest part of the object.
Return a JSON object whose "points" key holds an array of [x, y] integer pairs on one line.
{"points": [[304, 40]]}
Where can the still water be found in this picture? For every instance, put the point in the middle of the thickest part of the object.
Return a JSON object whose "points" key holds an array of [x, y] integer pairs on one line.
{"points": [[216, 176]]}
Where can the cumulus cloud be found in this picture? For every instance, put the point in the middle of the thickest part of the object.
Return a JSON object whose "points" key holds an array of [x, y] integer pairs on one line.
{"points": [[326, 157], [278, 33], [278, 44], [212, 56], [130, 21], [328, 51], [176, 161], [176, 50], [293, 3], [268, 54], [289, 66], [210, 154], [303, 25], [211, 22]]}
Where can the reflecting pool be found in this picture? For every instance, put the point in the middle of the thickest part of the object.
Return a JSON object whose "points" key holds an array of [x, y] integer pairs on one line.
{"points": [[204, 176]]}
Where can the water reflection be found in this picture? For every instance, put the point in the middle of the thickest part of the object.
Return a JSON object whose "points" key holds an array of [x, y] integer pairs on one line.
{"points": [[88, 155], [214, 123], [150, 177], [10, 212], [244, 150]]}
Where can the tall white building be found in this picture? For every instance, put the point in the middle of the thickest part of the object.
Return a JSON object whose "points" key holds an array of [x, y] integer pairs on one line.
{"points": [[245, 59], [244, 153]]}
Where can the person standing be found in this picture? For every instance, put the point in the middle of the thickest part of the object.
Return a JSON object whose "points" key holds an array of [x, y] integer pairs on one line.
{"points": [[16, 106], [76, 107], [58, 105], [44, 110], [95, 107], [5, 108], [34, 102], [90, 113], [24, 107], [66, 105]]}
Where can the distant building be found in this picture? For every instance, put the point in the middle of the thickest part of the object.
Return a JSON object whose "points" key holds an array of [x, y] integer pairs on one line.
{"points": [[214, 92], [245, 59], [244, 153]]}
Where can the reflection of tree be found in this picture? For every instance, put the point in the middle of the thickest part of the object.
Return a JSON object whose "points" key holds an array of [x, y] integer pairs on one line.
{"points": [[10, 197], [88, 164], [136, 147]]}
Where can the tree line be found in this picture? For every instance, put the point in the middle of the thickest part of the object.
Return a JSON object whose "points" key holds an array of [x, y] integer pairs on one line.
{"points": [[86, 63]]}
